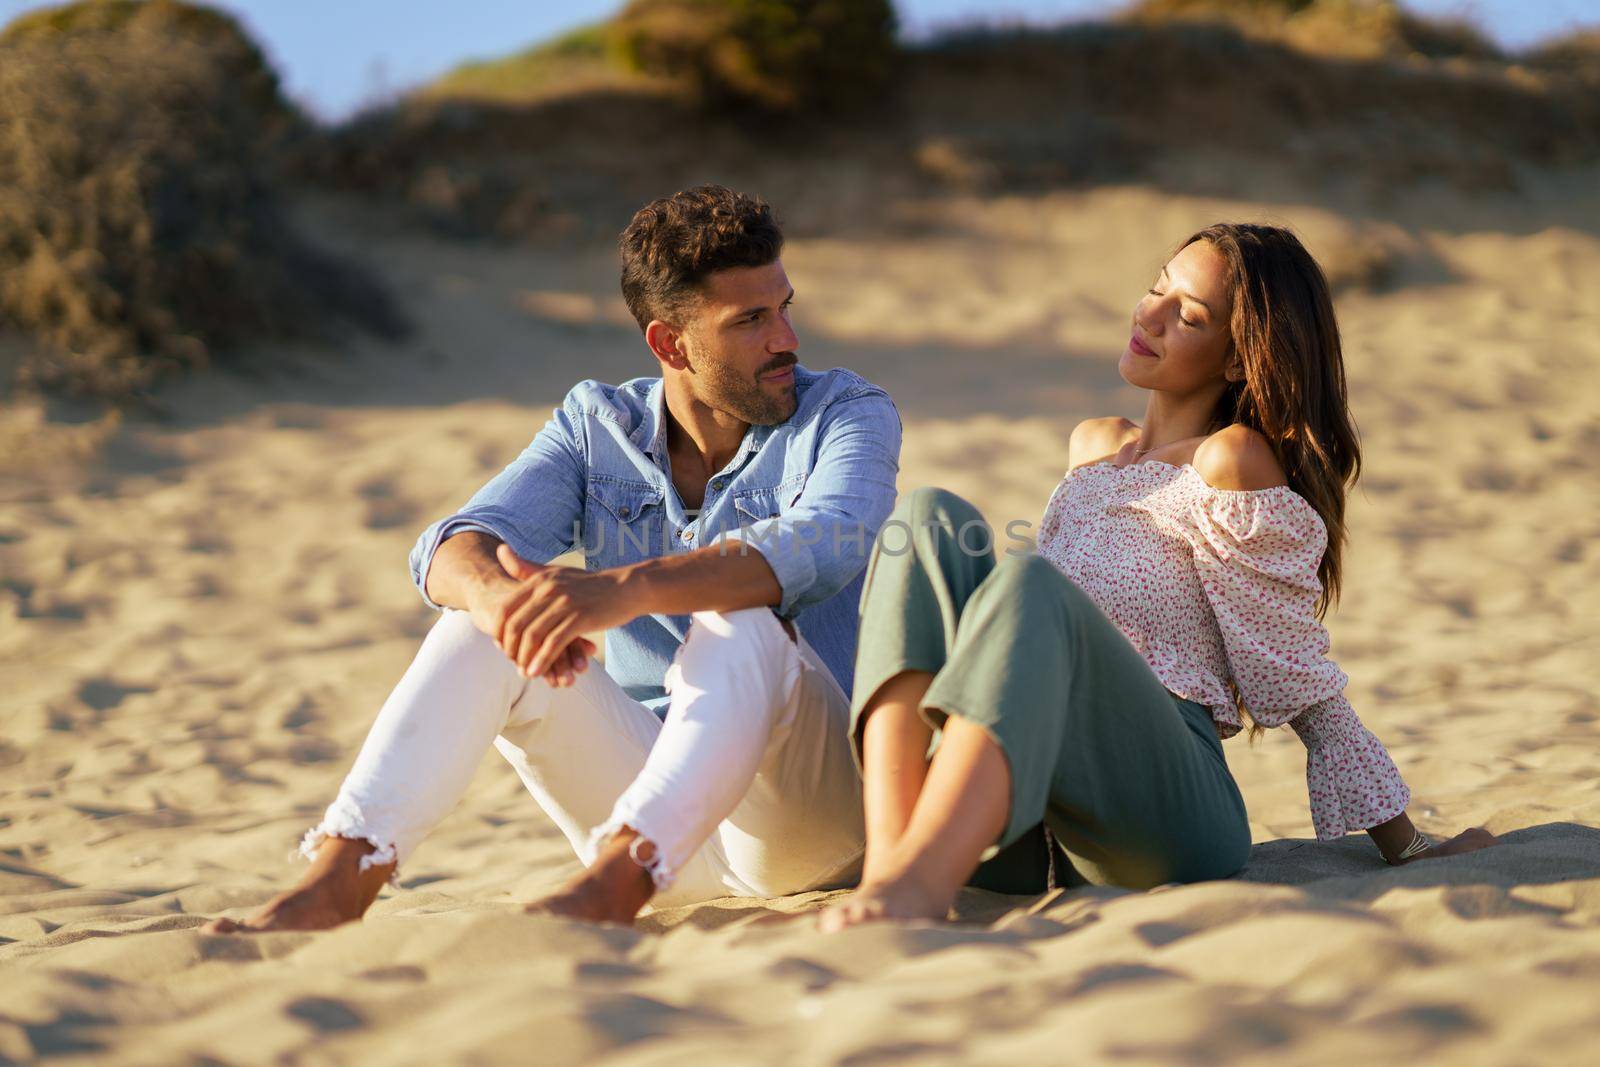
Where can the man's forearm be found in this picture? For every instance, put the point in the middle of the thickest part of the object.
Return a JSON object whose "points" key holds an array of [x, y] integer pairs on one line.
{"points": [[463, 565], [722, 577]]}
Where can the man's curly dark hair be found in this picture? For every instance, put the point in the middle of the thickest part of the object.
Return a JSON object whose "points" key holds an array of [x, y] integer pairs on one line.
{"points": [[673, 244]]}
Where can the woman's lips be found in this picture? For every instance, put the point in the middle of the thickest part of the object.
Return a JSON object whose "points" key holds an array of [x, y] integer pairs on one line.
{"points": [[1138, 346]]}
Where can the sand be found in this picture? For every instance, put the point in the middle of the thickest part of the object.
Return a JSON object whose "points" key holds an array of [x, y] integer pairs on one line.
{"points": [[200, 612]]}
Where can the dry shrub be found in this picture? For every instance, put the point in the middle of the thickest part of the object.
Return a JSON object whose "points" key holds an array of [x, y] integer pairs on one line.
{"points": [[1576, 55], [777, 55], [139, 227], [1360, 28], [224, 40], [1017, 99]]}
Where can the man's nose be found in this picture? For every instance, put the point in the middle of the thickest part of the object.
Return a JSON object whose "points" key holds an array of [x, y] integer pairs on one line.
{"points": [[784, 339]]}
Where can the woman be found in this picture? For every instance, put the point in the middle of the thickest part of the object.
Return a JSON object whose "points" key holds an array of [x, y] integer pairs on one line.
{"points": [[1183, 568]]}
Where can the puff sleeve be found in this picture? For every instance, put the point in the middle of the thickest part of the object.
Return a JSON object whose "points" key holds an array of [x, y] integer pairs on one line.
{"points": [[1257, 554]]}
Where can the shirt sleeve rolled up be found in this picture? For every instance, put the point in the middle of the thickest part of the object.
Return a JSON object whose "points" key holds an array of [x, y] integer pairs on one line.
{"points": [[535, 504]]}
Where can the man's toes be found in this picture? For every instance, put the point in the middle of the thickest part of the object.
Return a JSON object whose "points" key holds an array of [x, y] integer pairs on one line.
{"points": [[560, 905], [221, 926], [836, 918]]}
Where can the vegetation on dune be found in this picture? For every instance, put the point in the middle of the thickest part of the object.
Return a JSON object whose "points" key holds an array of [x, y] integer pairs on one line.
{"points": [[777, 55], [1576, 55], [228, 46], [489, 148], [1363, 28], [1351, 91], [140, 227], [582, 60]]}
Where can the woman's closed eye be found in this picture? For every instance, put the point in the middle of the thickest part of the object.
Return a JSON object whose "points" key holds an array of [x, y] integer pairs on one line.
{"points": [[1187, 322]]}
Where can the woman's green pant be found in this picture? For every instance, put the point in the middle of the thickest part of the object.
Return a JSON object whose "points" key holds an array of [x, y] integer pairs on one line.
{"points": [[1129, 778]]}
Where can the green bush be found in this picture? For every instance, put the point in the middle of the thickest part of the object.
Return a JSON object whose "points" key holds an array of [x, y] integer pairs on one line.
{"points": [[576, 61], [139, 226], [782, 56]]}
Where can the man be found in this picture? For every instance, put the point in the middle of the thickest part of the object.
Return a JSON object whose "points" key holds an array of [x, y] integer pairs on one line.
{"points": [[725, 510]]}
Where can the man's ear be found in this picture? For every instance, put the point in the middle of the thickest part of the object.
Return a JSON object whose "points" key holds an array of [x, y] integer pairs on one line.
{"points": [[666, 342]]}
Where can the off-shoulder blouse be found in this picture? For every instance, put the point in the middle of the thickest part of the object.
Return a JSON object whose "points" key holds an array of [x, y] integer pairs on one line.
{"points": [[1217, 589]]}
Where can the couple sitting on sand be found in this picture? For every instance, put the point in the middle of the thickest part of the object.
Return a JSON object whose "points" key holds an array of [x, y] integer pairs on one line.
{"points": [[1019, 720]]}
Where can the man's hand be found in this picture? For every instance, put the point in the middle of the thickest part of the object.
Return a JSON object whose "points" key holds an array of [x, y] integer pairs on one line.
{"points": [[490, 601], [539, 619]]}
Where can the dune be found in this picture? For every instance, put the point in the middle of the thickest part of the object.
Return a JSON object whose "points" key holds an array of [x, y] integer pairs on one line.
{"points": [[200, 614]]}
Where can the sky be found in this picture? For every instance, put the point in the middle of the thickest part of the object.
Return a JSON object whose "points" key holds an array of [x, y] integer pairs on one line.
{"points": [[337, 56]]}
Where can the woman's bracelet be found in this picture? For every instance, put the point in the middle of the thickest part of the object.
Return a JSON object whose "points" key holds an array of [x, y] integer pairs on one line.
{"points": [[1418, 844]]}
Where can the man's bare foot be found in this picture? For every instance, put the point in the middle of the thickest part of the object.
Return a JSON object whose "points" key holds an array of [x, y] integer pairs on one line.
{"points": [[903, 897], [335, 890], [612, 890], [310, 907]]}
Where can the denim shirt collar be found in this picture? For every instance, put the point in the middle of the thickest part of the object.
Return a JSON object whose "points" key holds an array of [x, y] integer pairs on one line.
{"points": [[651, 434]]}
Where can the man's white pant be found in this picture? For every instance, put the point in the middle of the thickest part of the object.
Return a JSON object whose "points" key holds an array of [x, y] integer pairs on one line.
{"points": [[747, 789]]}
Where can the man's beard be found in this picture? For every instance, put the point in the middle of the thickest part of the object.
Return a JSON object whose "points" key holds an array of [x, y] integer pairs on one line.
{"points": [[744, 397]]}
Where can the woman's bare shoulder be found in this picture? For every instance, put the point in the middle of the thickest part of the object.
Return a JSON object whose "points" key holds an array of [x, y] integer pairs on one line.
{"points": [[1238, 457], [1094, 440]]}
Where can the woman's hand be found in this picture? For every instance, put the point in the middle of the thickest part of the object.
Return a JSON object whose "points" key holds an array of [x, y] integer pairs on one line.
{"points": [[1469, 840], [1394, 836]]}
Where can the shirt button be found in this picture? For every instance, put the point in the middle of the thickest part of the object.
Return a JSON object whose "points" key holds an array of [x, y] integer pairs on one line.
{"points": [[687, 535], [718, 484], [623, 511]]}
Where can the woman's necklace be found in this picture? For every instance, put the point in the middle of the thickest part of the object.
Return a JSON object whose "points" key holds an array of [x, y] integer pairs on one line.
{"points": [[1141, 451]]}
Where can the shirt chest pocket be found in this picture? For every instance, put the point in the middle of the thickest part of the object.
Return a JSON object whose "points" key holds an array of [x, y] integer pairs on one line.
{"points": [[624, 521], [753, 505]]}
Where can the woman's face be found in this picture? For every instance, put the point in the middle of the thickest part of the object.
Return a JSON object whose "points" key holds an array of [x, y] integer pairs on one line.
{"points": [[1182, 339]]}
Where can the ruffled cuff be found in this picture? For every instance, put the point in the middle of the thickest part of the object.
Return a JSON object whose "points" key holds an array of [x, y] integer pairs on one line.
{"points": [[1352, 782]]}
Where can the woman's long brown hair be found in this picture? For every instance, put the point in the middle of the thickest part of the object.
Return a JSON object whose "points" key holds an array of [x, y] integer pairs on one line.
{"points": [[1287, 338]]}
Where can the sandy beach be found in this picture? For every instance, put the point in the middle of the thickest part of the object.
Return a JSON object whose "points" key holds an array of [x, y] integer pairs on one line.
{"points": [[201, 610]]}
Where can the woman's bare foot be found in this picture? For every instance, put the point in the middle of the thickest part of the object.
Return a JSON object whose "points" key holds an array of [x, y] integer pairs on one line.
{"points": [[335, 890], [904, 897], [612, 890]]}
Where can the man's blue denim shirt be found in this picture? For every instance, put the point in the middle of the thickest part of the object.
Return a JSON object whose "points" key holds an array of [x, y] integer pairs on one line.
{"points": [[808, 493]]}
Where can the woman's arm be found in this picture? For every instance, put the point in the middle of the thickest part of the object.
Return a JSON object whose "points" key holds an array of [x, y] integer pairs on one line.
{"points": [[1258, 555]]}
